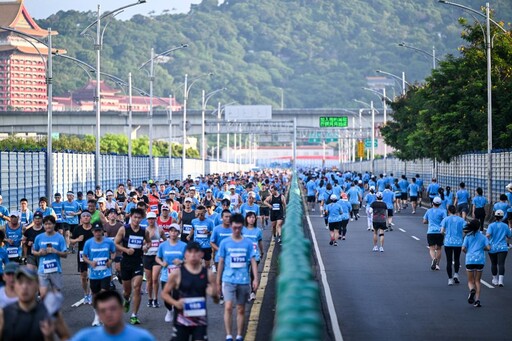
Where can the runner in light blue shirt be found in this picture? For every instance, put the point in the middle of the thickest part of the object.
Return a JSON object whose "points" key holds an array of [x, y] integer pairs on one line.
{"points": [[498, 232]]}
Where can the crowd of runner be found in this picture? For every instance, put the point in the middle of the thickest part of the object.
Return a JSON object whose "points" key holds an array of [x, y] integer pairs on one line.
{"points": [[456, 219], [187, 239]]}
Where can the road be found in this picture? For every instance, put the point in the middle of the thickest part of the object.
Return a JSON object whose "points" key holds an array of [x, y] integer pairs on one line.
{"points": [[153, 318], [394, 295]]}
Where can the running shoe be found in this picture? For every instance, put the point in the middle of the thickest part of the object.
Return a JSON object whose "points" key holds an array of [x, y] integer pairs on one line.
{"points": [[326, 227], [134, 320], [229, 338], [413, 212], [375, 248], [456, 278], [343, 238], [331, 242], [126, 306], [96, 322], [221, 300], [335, 243], [437, 267], [450, 281], [150, 304], [477, 304], [156, 304], [471, 297], [351, 219], [168, 316], [433, 265], [369, 228], [239, 338], [312, 210], [381, 249], [252, 296], [494, 280]]}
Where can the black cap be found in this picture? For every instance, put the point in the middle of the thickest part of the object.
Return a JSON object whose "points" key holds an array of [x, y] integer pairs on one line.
{"points": [[140, 188], [38, 214], [97, 226], [193, 246], [112, 210]]}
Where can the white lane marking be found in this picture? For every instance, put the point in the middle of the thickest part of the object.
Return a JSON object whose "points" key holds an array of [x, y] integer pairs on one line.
{"points": [[402, 230], [414, 237], [78, 303], [486, 284], [328, 296]]}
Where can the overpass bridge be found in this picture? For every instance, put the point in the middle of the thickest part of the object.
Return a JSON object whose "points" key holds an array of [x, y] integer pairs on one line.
{"points": [[84, 122]]}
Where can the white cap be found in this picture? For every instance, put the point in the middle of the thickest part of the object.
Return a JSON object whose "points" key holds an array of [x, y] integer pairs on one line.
{"points": [[189, 200], [151, 215], [232, 187], [437, 201], [509, 187], [14, 214], [333, 197], [166, 207], [102, 199], [208, 190], [372, 188], [192, 188], [499, 213], [251, 194], [379, 195]]}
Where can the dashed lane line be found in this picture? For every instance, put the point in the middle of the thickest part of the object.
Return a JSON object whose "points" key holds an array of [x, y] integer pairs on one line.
{"points": [[402, 230], [414, 237]]}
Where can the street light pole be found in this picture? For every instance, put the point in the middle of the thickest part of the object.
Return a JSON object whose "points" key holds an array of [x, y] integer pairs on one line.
{"points": [[151, 81], [205, 98], [401, 79], [218, 132], [372, 157], [171, 162], [488, 44], [130, 122], [49, 90]]}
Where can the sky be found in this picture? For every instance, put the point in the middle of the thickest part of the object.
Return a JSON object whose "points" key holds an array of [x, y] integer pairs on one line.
{"points": [[40, 9]]}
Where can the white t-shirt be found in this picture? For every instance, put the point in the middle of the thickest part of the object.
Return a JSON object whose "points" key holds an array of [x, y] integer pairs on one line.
{"points": [[5, 300]]}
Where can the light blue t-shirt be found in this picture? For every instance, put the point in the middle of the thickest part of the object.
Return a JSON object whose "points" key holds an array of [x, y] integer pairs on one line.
{"points": [[498, 232], [462, 197], [475, 244], [353, 195], [49, 263], [335, 212], [168, 253], [219, 234], [57, 207], [100, 253], [413, 189], [434, 216], [403, 184], [346, 207], [433, 190], [389, 198], [255, 235], [245, 208], [453, 226], [479, 201], [202, 230], [370, 198], [237, 257], [5, 212], [99, 333], [71, 207], [311, 187], [500, 205]]}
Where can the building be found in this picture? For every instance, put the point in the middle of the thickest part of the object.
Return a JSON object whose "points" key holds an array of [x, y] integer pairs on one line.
{"points": [[278, 153], [22, 68]]}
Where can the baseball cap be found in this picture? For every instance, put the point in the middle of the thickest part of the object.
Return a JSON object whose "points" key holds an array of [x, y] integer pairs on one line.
{"points": [[112, 210], [189, 200], [151, 215], [97, 226], [11, 267], [166, 207], [192, 188], [333, 197], [208, 190], [437, 201], [372, 188], [102, 200], [252, 194], [38, 214], [232, 187], [509, 187], [86, 213], [499, 213], [14, 214], [175, 226], [379, 195], [172, 191], [24, 271]]}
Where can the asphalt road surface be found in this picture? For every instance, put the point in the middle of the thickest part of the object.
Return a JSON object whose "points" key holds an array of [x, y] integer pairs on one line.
{"points": [[153, 318], [393, 295]]}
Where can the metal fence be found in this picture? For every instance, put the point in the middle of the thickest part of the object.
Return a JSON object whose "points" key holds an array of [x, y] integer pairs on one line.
{"points": [[23, 173]]}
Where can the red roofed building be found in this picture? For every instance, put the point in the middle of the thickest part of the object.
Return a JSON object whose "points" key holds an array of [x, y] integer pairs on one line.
{"points": [[22, 70]]}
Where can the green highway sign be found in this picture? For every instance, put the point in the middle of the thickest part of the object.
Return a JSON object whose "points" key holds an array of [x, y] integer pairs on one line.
{"points": [[319, 137], [368, 143], [333, 121]]}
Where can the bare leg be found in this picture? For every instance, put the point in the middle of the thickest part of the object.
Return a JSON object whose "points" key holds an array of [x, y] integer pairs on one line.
{"points": [[240, 316], [137, 282]]}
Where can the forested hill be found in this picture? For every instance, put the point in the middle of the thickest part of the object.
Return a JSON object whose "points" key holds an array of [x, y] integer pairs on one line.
{"points": [[319, 52]]}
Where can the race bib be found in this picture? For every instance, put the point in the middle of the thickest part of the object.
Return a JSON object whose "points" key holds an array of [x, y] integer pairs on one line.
{"points": [[50, 266], [202, 232], [101, 263], [155, 243], [12, 252], [135, 242], [171, 268], [276, 207], [238, 260], [81, 255], [186, 229], [194, 307], [153, 208]]}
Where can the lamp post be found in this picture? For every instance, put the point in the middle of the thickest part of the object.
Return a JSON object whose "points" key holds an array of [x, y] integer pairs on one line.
{"points": [[49, 92], [384, 98], [186, 91], [373, 131], [97, 46], [205, 98], [487, 38], [401, 79], [151, 74]]}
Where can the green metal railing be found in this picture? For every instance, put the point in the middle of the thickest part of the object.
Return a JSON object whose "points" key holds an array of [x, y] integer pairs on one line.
{"points": [[298, 314]]}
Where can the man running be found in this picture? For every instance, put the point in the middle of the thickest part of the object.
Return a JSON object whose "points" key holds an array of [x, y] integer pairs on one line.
{"points": [[277, 205], [236, 257], [202, 229], [433, 217], [130, 239], [379, 212]]}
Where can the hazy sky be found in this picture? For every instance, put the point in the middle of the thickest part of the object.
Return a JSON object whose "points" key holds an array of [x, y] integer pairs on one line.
{"points": [[43, 8]]}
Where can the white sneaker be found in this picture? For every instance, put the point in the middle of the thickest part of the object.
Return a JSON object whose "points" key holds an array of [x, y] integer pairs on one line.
{"points": [[351, 219], [96, 321], [450, 281], [326, 227], [381, 249], [437, 267], [375, 248], [494, 280], [501, 280], [168, 316], [252, 296]]}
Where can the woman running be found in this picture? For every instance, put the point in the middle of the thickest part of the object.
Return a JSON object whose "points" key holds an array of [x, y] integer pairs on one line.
{"points": [[498, 232]]}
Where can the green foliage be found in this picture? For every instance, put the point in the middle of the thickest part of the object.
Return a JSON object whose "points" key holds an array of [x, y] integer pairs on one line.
{"points": [[318, 52], [447, 116], [109, 143]]}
